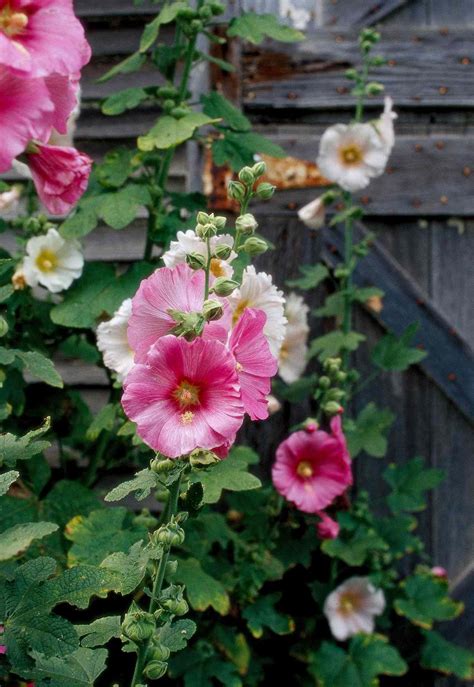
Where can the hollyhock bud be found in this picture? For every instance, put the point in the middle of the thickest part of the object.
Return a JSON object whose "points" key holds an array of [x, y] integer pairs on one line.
{"points": [[236, 191], [274, 404], [19, 279], [176, 606], [196, 261], [246, 224], [259, 169], [222, 251], [255, 246], [311, 425], [154, 670], [332, 408], [205, 231], [3, 327], [246, 176], [158, 652], [212, 310], [161, 465], [265, 191], [138, 625], [60, 175], [327, 528], [224, 287], [200, 458], [439, 571]]}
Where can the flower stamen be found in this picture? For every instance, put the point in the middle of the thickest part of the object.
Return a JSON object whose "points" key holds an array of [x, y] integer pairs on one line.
{"points": [[217, 268], [12, 23], [46, 260], [304, 469], [187, 395], [351, 154]]}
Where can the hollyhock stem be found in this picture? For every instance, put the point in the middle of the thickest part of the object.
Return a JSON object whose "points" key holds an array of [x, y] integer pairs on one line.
{"points": [[346, 282], [172, 508], [208, 267]]}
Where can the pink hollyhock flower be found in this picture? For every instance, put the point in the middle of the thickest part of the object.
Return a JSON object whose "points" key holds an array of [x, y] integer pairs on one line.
{"points": [[26, 112], [63, 91], [177, 288], [439, 571], [185, 397], [255, 364], [41, 37], [60, 176], [311, 469], [327, 528]]}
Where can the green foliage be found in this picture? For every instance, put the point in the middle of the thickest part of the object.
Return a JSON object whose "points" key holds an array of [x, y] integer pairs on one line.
{"points": [[425, 600], [409, 481], [202, 589], [99, 632], [231, 474], [18, 538], [330, 345], [169, 132], [368, 431], [357, 541], [129, 568], [79, 669], [143, 482], [124, 100], [165, 16], [313, 276], [369, 656], [238, 149], [217, 106], [395, 353], [13, 448], [176, 635], [447, 658], [263, 614], [256, 27], [7, 479]]}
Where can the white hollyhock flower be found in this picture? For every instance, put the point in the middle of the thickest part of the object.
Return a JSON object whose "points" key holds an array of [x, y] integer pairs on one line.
{"points": [[9, 200], [384, 125], [52, 261], [352, 607], [274, 404], [258, 291], [313, 214], [112, 341], [188, 242], [351, 155], [294, 350]]}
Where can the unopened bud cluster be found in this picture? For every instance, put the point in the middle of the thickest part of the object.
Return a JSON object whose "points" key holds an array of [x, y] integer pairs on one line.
{"points": [[330, 391]]}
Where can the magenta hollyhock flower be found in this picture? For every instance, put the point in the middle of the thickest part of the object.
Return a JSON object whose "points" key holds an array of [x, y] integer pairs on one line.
{"points": [[439, 571], [42, 37], [327, 528], [168, 288], [255, 364], [311, 469], [185, 396], [63, 92], [26, 112], [60, 175]]}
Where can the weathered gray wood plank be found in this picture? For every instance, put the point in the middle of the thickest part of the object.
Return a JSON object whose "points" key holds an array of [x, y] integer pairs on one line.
{"points": [[359, 13], [110, 8]]}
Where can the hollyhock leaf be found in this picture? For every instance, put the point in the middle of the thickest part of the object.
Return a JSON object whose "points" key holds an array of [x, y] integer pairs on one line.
{"points": [[425, 600], [231, 474], [7, 479], [129, 568], [445, 657], [104, 420], [409, 482], [124, 100], [18, 538], [79, 669], [151, 31], [115, 169], [263, 614], [369, 657], [222, 64], [41, 367], [131, 64], [5, 292], [354, 547], [217, 105], [143, 482], [329, 345], [13, 448], [77, 346], [395, 353], [100, 631], [256, 27], [293, 549], [79, 224], [177, 634], [68, 499], [296, 391], [235, 646], [202, 589], [239, 148], [169, 132], [120, 208], [368, 431], [101, 533], [397, 530]]}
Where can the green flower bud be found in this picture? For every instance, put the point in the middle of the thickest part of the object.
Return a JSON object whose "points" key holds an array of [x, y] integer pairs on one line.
{"points": [[341, 377], [255, 246], [179, 112], [332, 362], [341, 273], [161, 465], [258, 169], [187, 13], [205, 231], [203, 218], [335, 394], [219, 221], [205, 13], [212, 310], [196, 25], [222, 251], [351, 74], [324, 382], [246, 176], [176, 606], [374, 88], [138, 625], [171, 568], [224, 287], [168, 105], [158, 652], [217, 8], [236, 190], [167, 92], [155, 670], [196, 261], [246, 224], [332, 408], [199, 457], [265, 191], [3, 327]]}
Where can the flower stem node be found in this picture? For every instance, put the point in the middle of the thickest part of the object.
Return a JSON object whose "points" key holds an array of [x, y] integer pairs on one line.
{"points": [[224, 287], [265, 190], [255, 246], [138, 625], [212, 310], [196, 261], [236, 191], [332, 408], [246, 176], [201, 458], [154, 670], [161, 465]]}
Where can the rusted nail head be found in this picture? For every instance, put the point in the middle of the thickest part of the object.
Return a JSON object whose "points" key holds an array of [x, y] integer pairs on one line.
{"points": [[466, 171], [452, 376], [418, 147], [440, 145], [443, 200], [442, 90]]}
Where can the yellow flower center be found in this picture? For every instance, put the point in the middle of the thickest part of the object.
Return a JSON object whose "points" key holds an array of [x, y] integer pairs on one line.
{"points": [[304, 469], [187, 417], [239, 367], [351, 154], [239, 310], [284, 352], [46, 260], [12, 23], [187, 395], [348, 603], [217, 267]]}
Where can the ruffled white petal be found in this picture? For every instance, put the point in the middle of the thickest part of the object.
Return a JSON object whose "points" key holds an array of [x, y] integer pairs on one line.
{"points": [[112, 341]]}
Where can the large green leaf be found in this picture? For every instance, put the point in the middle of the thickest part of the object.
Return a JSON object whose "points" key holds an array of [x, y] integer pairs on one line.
{"points": [[68, 499], [231, 473], [238, 149], [256, 27], [129, 568], [79, 669], [167, 14], [177, 634], [7, 479], [169, 132], [447, 658], [409, 481], [262, 613], [216, 105], [330, 345], [353, 547], [143, 482], [369, 656], [368, 431], [13, 448], [100, 631], [41, 367], [425, 599], [17, 539], [395, 353], [130, 64], [313, 276], [202, 589], [124, 100]]}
